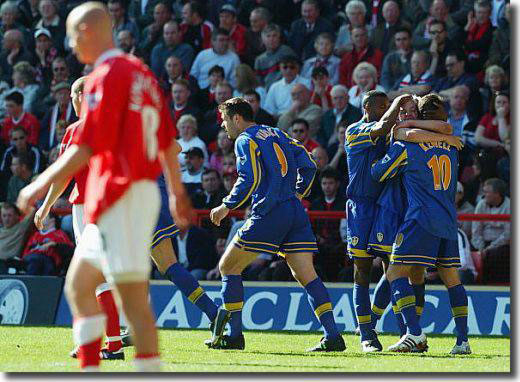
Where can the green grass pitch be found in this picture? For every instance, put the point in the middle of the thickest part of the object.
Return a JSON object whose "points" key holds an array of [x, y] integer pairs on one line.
{"points": [[44, 349]]}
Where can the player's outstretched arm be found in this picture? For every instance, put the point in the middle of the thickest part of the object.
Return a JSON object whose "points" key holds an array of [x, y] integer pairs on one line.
{"points": [[421, 136], [389, 119], [388, 166], [180, 204], [436, 126], [66, 166], [55, 191]]}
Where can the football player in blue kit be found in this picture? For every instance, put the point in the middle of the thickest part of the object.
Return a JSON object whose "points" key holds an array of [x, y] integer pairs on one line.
{"points": [[428, 235], [275, 172]]}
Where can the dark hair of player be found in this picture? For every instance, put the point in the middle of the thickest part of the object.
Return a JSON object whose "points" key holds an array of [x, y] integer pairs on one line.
{"points": [[237, 106], [432, 103], [371, 96]]}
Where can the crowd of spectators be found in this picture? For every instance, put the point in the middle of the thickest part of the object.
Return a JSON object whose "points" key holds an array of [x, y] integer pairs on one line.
{"points": [[304, 66]]}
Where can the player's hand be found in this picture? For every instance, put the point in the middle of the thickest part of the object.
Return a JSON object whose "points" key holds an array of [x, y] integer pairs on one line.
{"points": [[30, 194], [182, 213], [455, 142], [40, 216], [218, 213]]}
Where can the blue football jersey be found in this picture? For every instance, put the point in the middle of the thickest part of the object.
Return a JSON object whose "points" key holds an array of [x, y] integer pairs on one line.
{"points": [[393, 196], [272, 167], [362, 152], [429, 176]]}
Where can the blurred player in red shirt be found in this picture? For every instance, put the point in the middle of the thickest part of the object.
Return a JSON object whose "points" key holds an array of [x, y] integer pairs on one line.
{"points": [[104, 295], [126, 136]]}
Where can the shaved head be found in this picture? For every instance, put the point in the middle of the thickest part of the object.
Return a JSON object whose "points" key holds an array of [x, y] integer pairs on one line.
{"points": [[89, 29]]}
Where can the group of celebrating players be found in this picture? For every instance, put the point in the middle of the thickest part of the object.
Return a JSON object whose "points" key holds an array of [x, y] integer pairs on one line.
{"points": [[402, 163]]}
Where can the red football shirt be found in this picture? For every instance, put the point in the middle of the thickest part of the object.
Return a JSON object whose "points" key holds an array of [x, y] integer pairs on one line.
{"points": [[126, 124], [28, 121], [77, 196]]}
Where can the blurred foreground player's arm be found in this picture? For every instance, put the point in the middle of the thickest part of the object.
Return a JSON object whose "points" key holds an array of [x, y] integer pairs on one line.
{"points": [[436, 126], [68, 164], [55, 191], [388, 166], [419, 136]]}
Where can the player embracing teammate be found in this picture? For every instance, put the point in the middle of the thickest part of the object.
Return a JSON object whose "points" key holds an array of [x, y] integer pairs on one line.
{"points": [[375, 217]]}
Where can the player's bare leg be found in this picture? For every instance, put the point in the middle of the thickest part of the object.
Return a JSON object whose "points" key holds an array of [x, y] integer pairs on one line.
{"points": [[302, 268], [459, 307], [164, 257], [134, 301], [362, 269], [89, 322], [231, 264], [404, 297]]}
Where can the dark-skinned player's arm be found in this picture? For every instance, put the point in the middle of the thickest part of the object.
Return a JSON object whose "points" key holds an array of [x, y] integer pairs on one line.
{"points": [[388, 120]]}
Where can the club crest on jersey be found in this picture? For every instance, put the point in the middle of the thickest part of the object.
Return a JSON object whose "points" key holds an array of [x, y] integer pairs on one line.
{"points": [[386, 159], [247, 225], [355, 240], [398, 240], [380, 236]]}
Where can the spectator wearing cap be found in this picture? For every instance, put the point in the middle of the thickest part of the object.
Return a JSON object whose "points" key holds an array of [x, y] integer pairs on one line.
{"points": [[13, 51], [397, 62], [237, 32], [324, 46], [188, 138], [493, 238], [321, 88], [278, 99], [194, 28], [120, 19], [171, 45], [23, 80], [363, 51], [341, 110], [300, 130], [301, 108], [463, 207], [260, 116], [259, 18], [52, 22], [152, 34], [17, 116], [191, 176], [61, 111], [218, 54], [267, 65], [365, 79], [212, 192], [304, 31], [45, 52]]}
